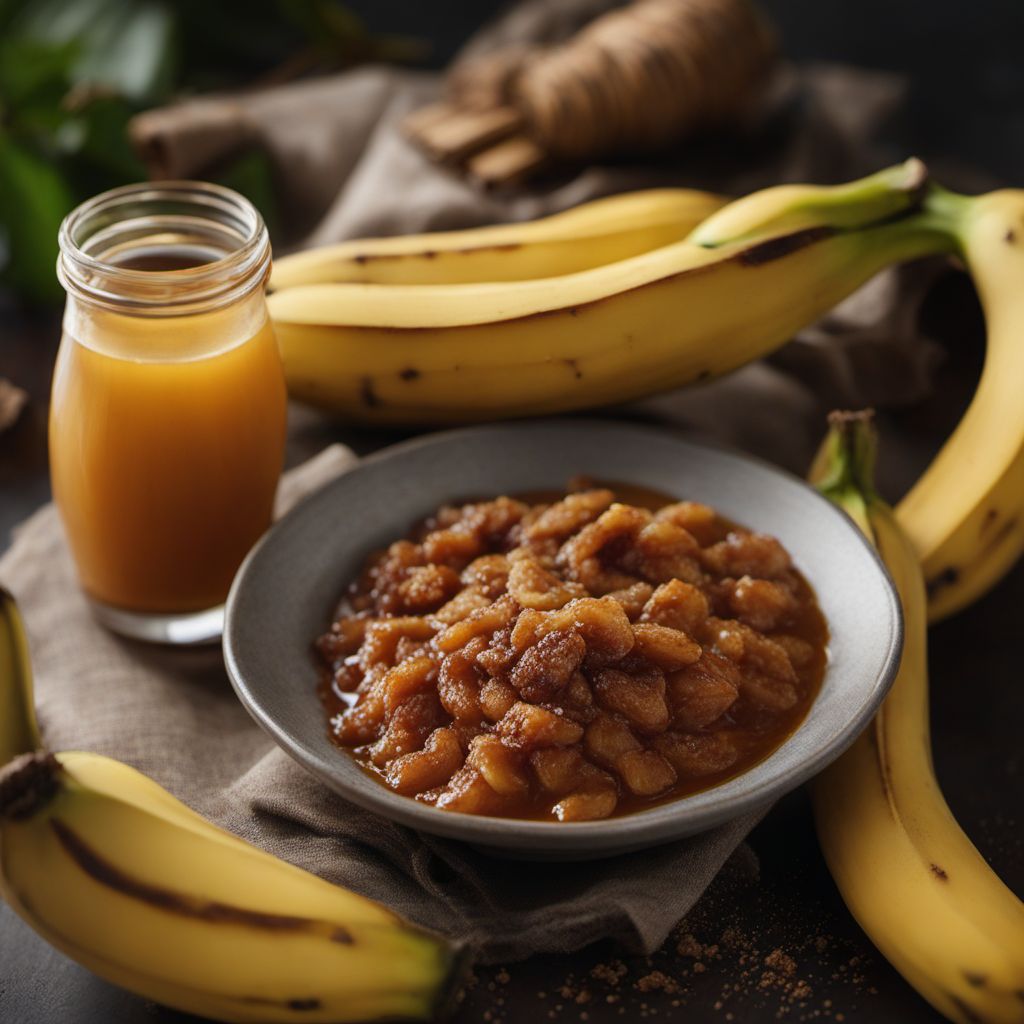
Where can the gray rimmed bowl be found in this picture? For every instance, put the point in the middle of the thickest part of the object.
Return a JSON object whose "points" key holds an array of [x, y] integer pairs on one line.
{"points": [[285, 591]]}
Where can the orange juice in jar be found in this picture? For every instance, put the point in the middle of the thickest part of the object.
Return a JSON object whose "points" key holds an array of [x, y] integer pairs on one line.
{"points": [[167, 419]]}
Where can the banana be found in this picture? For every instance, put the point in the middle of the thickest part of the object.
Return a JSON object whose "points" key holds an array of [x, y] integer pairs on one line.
{"points": [[112, 870], [676, 315], [589, 235], [910, 876], [19, 733], [965, 515]]}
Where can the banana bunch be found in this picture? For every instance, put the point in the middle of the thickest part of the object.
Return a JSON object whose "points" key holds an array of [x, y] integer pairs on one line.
{"points": [[589, 235], [115, 872], [910, 876], [965, 515], [752, 275]]}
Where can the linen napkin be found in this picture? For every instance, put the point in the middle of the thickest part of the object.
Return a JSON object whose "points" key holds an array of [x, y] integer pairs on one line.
{"points": [[173, 715]]}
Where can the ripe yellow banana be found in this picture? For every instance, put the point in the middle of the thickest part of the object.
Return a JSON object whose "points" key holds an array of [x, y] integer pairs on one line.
{"points": [[19, 733], [116, 873], [672, 316], [589, 235], [965, 515], [910, 876]]}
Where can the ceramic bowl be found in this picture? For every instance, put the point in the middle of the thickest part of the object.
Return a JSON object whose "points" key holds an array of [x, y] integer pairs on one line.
{"points": [[286, 589]]}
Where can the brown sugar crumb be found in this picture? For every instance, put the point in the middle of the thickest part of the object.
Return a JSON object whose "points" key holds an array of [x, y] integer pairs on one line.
{"points": [[784, 967], [781, 962], [732, 938], [657, 981], [610, 973], [801, 990]]}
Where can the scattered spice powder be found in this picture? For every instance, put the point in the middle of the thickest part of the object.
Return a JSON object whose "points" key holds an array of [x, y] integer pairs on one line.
{"points": [[706, 970], [657, 981]]}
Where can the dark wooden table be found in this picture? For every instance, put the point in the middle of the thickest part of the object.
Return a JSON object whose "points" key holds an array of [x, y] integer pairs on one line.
{"points": [[780, 947]]}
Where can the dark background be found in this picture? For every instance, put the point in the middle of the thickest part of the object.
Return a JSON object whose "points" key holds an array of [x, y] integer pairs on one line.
{"points": [[966, 107]]}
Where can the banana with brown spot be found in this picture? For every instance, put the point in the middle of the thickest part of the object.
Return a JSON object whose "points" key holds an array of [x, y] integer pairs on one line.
{"points": [[913, 880], [965, 515], [112, 870], [669, 317]]}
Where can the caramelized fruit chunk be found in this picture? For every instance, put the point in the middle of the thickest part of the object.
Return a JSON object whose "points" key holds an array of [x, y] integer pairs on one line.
{"points": [[747, 554], [434, 765], [762, 604], [545, 669], [702, 692], [698, 754], [501, 766], [665, 647], [589, 803], [677, 605], [640, 700], [569, 515], [527, 726]]}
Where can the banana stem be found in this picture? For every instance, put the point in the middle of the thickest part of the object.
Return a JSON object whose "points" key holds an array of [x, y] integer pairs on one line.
{"points": [[844, 468], [947, 211], [886, 195]]}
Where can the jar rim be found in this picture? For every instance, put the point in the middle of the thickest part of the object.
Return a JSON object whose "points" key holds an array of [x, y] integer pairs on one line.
{"points": [[242, 242]]}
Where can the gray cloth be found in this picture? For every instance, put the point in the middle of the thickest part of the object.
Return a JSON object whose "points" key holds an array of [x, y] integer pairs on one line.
{"points": [[172, 714], [344, 170]]}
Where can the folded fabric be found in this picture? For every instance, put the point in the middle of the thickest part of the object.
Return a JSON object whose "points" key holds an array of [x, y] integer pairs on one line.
{"points": [[173, 715]]}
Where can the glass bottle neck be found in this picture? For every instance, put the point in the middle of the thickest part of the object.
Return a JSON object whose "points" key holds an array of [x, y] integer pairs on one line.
{"points": [[165, 249]]}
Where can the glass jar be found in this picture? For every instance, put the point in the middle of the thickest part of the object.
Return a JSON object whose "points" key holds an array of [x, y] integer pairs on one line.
{"points": [[167, 419]]}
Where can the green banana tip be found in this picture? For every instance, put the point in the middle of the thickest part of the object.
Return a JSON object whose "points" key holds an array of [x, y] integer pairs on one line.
{"points": [[27, 784], [846, 458], [843, 470], [891, 193]]}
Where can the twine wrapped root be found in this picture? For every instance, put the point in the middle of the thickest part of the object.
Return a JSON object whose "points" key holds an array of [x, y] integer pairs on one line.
{"points": [[634, 80]]}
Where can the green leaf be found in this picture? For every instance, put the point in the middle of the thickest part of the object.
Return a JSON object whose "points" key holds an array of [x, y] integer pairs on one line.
{"points": [[34, 198], [32, 71], [125, 45], [103, 142]]}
